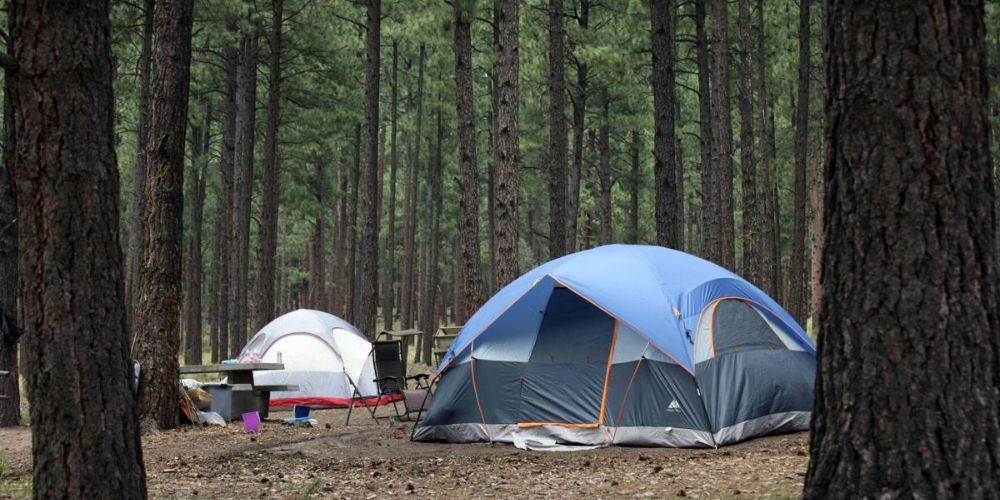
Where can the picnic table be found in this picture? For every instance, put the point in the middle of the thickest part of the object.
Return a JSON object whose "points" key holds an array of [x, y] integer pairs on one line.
{"points": [[247, 396], [404, 336], [2, 375], [443, 340]]}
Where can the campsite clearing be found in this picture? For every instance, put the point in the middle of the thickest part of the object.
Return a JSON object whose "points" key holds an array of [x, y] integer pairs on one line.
{"points": [[368, 461]]}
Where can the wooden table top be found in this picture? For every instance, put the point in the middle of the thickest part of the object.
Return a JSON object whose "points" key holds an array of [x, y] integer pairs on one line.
{"points": [[233, 367], [402, 333]]}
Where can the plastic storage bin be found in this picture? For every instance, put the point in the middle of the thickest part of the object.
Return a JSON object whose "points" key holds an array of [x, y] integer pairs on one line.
{"points": [[222, 399]]}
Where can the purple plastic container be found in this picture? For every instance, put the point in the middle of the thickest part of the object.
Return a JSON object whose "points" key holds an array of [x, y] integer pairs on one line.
{"points": [[251, 421]]}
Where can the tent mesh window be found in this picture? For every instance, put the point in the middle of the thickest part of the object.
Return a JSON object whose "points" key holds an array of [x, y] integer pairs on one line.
{"points": [[737, 326]]}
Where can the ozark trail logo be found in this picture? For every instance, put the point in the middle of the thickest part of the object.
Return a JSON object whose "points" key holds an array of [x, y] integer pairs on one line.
{"points": [[674, 406]]}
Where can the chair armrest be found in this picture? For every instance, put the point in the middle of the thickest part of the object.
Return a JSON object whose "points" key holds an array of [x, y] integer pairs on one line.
{"points": [[383, 379]]}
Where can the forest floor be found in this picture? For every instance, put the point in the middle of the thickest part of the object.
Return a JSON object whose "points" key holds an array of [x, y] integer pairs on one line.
{"points": [[368, 460]]}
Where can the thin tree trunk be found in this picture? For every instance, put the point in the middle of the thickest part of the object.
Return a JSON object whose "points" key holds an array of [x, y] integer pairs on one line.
{"points": [[351, 298], [798, 279], [389, 287], [158, 339], [270, 182], [753, 218], [246, 103], [468, 175], [669, 198], [317, 264], [195, 269], [635, 180], [579, 100], [604, 167], [557, 130], [506, 182], [368, 283], [135, 228], [224, 214], [410, 202], [766, 192], [10, 408], [338, 293], [906, 395], [85, 433], [429, 323], [704, 119], [720, 246]]}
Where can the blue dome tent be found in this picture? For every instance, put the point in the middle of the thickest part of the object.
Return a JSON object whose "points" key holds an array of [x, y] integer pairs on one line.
{"points": [[624, 344]]}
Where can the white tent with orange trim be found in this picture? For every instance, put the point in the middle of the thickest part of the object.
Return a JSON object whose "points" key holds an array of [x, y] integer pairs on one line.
{"points": [[624, 344]]}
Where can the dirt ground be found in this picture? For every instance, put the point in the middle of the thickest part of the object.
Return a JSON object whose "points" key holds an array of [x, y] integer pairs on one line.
{"points": [[368, 460]]}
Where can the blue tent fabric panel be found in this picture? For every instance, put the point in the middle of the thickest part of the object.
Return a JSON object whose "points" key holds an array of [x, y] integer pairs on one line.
{"points": [[512, 336], [748, 384], [561, 392], [454, 401], [661, 395]]}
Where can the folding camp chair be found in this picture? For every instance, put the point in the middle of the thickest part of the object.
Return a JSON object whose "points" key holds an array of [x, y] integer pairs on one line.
{"points": [[390, 380]]}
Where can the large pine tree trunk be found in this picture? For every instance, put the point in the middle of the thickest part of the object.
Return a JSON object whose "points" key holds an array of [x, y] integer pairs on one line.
{"points": [[906, 394], [270, 187], [158, 317], [199, 139], [10, 408], [579, 100], [246, 103], [224, 210], [768, 227], [389, 283], [557, 130], [798, 279], [368, 282], [135, 227], [409, 284], [85, 433], [720, 245], [704, 117], [669, 198], [505, 187], [468, 176], [751, 267]]}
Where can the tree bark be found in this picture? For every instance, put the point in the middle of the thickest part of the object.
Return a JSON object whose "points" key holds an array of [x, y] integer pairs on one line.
{"points": [[270, 182], [199, 139], [246, 116], [506, 182], [10, 408], [669, 198], [579, 100], [317, 281], [604, 178], [85, 433], [798, 279], [338, 292], [468, 175], [135, 228], [753, 219], [368, 292], [557, 130], [158, 339], [704, 118], [224, 209], [719, 242], [906, 393], [389, 287], [635, 180], [768, 227], [409, 233]]}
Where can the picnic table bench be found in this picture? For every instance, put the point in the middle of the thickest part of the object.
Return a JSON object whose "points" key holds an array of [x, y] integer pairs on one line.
{"points": [[246, 395], [443, 340]]}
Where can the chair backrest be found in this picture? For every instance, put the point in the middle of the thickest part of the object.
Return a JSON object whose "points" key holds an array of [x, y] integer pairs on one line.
{"points": [[388, 364]]}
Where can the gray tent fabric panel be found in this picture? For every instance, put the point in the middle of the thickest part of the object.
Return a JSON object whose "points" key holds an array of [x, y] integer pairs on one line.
{"points": [[454, 401], [564, 379], [662, 395], [498, 384], [736, 326], [751, 384]]}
